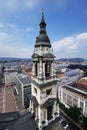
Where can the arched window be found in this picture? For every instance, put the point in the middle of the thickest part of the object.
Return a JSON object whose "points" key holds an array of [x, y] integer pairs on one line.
{"points": [[47, 69], [36, 68]]}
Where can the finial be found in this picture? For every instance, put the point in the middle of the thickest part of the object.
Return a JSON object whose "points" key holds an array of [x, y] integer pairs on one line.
{"points": [[42, 10], [42, 13]]}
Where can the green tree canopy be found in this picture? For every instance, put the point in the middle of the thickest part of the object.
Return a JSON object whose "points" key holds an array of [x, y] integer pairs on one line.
{"points": [[74, 113]]}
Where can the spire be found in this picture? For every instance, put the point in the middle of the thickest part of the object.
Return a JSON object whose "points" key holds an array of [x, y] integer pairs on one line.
{"points": [[43, 38], [42, 24]]}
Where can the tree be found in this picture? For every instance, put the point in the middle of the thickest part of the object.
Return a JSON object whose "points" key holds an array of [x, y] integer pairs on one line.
{"points": [[74, 113], [85, 123]]}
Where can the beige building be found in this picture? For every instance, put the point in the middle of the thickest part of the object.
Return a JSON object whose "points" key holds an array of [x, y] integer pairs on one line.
{"points": [[10, 78], [43, 101], [71, 96]]}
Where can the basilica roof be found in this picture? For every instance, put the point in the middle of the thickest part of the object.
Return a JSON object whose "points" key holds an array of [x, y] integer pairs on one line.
{"points": [[48, 55], [35, 55]]}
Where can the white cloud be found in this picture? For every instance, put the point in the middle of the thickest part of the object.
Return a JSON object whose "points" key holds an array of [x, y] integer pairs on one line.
{"points": [[71, 46], [28, 29], [58, 45], [31, 3], [1, 25], [14, 5], [13, 48], [12, 28], [15, 51], [4, 37], [9, 27], [82, 39], [11, 45]]}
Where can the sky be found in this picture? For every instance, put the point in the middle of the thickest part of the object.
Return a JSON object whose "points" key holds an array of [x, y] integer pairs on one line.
{"points": [[66, 27]]}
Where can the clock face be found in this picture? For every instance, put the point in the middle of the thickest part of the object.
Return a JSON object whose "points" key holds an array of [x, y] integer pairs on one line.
{"points": [[42, 29], [35, 55], [35, 59], [48, 59]]}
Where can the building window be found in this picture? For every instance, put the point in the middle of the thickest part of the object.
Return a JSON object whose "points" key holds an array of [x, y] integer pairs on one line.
{"points": [[35, 90], [48, 91], [75, 102], [81, 106], [47, 69], [69, 100], [64, 97], [36, 68]]}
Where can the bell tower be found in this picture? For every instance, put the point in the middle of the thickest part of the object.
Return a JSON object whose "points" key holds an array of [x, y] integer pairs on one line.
{"points": [[43, 101]]}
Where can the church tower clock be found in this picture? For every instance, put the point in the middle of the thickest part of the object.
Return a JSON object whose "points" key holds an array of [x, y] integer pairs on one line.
{"points": [[43, 102]]}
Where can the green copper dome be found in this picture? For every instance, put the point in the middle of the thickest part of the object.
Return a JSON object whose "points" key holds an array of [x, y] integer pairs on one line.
{"points": [[43, 38]]}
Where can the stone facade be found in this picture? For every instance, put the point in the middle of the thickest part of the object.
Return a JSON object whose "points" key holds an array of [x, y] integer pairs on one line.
{"points": [[43, 103], [71, 96]]}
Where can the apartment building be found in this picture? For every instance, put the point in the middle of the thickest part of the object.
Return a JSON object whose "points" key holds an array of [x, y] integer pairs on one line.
{"points": [[10, 78], [71, 96], [23, 88]]}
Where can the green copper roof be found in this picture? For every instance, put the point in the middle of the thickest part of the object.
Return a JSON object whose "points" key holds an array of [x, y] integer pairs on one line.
{"points": [[43, 38]]}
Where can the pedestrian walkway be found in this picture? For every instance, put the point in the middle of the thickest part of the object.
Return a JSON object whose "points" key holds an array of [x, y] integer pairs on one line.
{"points": [[10, 105]]}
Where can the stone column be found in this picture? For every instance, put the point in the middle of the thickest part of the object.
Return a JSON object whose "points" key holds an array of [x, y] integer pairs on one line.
{"points": [[36, 114], [30, 107], [52, 71], [46, 117], [40, 118], [61, 99], [44, 70], [33, 69], [40, 70], [57, 108], [78, 102], [83, 107], [53, 111], [41, 52]]}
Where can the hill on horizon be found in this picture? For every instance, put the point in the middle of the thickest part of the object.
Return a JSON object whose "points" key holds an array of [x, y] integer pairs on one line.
{"points": [[72, 59], [60, 60]]}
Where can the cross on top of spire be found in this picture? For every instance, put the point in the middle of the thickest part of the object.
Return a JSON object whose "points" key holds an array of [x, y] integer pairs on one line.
{"points": [[42, 20], [42, 13]]}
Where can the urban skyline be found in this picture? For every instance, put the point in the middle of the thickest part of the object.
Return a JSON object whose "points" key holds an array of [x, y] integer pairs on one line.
{"points": [[66, 27]]}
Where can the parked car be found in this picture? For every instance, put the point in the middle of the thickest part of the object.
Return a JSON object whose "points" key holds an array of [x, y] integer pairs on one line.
{"points": [[63, 123], [66, 126], [61, 120]]}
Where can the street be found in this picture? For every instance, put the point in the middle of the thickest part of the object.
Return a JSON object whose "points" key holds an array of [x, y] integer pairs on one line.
{"points": [[57, 126], [71, 123]]}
